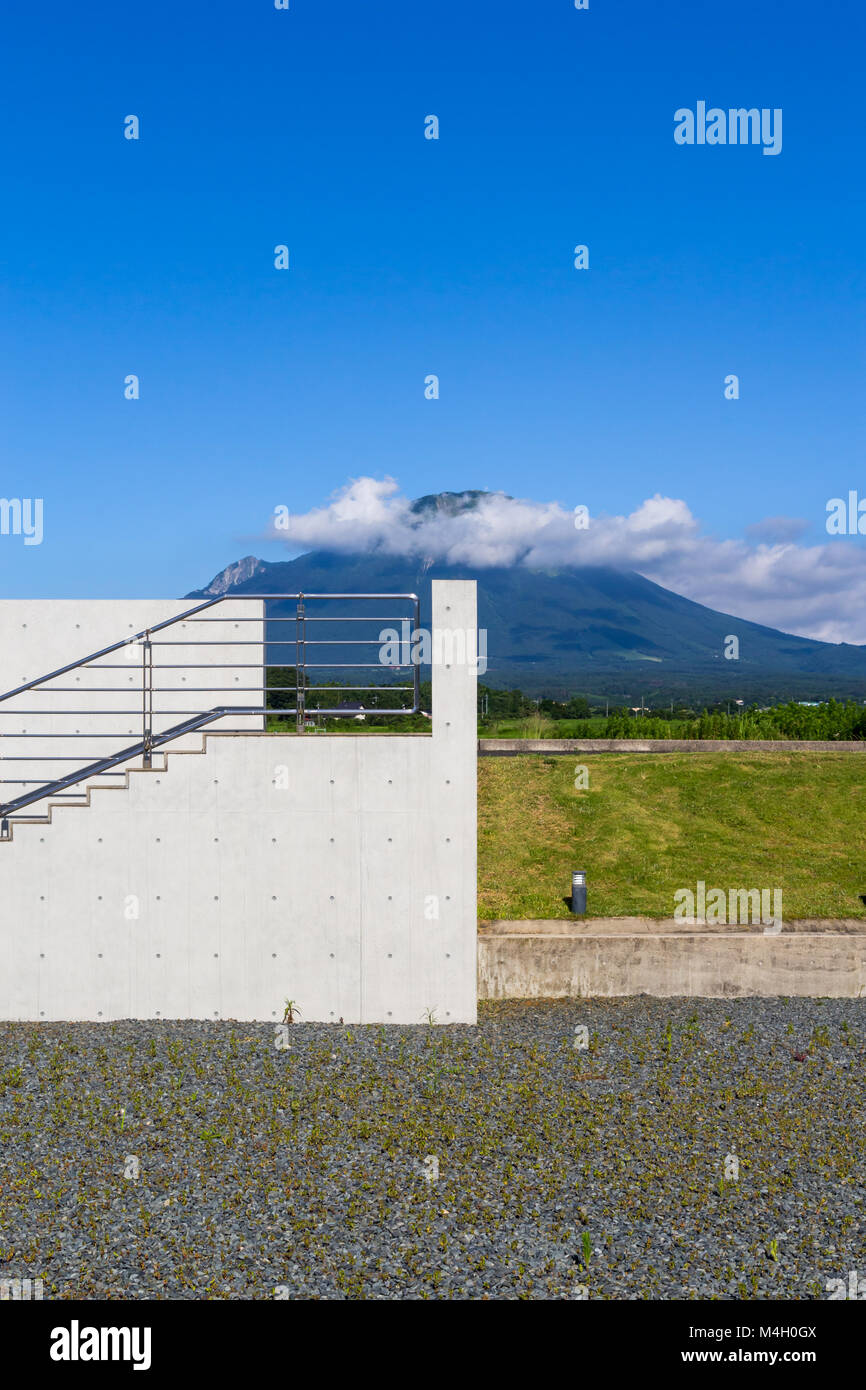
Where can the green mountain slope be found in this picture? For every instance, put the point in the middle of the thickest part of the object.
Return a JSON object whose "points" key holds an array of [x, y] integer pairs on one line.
{"points": [[591, 629]]}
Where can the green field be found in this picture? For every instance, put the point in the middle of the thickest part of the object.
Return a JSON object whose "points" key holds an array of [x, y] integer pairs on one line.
{"points": [[649, 824]]}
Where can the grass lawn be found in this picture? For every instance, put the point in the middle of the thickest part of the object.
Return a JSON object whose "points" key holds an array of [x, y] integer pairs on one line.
{"points": [[649, 824]]}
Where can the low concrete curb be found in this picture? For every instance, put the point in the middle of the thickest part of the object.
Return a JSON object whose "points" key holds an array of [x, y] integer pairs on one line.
{"points": [[614, 956], [508, 747]]}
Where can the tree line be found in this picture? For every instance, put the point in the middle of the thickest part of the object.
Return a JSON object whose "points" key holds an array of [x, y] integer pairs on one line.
{"points": [[575, 717]]}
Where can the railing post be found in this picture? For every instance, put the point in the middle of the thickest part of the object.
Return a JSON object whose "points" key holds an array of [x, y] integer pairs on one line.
{"points": [[147, 700], [413, 656], [300, 659]]}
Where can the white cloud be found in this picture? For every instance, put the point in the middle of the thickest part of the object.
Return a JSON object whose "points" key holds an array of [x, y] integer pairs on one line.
{"points": [[815, 591], [777, 529]]}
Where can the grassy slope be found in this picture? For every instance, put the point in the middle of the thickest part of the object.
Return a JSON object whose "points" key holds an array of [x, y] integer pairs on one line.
{"points": [[648, 825]]}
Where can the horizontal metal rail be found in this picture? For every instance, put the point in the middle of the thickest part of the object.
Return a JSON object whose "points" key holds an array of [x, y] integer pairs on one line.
{"points": [[147, 632], [255, 665], [144, 665]]}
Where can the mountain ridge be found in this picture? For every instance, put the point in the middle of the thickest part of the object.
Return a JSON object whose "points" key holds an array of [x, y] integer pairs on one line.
{"points": [[581, 629]]}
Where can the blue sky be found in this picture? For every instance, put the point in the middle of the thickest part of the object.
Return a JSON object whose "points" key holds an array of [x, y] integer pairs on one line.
{"points": [[262, 388]]}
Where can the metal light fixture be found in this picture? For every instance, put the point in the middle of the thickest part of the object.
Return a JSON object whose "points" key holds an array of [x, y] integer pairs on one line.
{"points": [[578, 892]]}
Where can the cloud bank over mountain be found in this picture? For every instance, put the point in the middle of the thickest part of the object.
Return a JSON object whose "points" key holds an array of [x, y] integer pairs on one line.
{"points": [[814, 591]]}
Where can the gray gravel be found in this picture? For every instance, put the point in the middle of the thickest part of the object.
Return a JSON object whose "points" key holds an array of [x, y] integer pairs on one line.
{"points": [[563, 1172]]}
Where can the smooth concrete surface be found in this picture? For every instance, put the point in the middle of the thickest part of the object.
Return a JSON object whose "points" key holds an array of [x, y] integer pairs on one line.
{"points": [[337, 871], [554, 960]]}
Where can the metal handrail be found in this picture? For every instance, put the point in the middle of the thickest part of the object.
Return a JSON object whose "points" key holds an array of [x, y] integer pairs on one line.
{"points": [[152, 739], [103, 765], [210, 603]]}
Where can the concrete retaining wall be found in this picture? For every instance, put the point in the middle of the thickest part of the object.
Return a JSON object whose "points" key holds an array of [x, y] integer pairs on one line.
{"points": [[333, 870], [608, 957]]}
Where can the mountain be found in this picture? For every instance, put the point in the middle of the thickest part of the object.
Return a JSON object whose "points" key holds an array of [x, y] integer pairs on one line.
{"points": [[593, 631], [232, 575]]}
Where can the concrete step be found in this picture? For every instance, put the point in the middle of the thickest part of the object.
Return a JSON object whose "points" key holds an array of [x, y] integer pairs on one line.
{"points": [[78, 797]]}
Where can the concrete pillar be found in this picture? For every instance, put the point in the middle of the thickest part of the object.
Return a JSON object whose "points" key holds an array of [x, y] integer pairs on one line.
{"points": [[454, 766]]}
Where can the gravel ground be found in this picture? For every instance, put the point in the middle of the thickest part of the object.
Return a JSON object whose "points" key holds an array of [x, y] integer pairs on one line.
{"points": [[241, 1170]]}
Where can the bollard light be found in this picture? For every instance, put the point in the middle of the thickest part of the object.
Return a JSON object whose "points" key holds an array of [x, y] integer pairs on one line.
{"points": [[578, 892]]}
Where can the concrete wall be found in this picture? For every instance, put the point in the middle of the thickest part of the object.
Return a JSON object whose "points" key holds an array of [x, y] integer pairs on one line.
{"points": [[41, 635], [608, 957], [504, 747], [337, 870]]}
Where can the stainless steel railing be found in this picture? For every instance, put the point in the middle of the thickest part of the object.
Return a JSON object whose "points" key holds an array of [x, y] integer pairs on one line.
{"points": [[149, 690]]}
